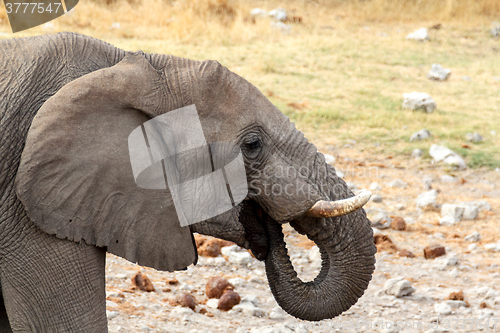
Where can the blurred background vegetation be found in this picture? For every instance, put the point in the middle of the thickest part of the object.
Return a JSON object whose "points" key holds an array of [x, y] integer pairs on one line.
{"points": [[340, 73]]}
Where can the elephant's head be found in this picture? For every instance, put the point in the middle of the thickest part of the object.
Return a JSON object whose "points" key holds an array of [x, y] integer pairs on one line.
{"points": [[76, 179]]}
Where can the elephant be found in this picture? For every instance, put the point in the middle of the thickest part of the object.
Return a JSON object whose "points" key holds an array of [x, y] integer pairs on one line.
{"points": [[67, 192]]}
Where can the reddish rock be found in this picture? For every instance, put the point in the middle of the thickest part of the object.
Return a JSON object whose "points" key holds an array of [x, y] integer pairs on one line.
{"points": [[186, 300], [398, 223], [228, 300], [210, 248], [173, 282], [456, 296], [433, 251], [384, 244], [483, 305], [142, 282], [405, 253], [216, 286]]}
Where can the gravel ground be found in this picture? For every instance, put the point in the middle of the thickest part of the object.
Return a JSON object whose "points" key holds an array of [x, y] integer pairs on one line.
{"points": [[469, 266]]}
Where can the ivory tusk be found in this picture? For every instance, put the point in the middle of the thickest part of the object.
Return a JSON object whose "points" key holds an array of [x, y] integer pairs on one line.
{"points": [[340, 207]]}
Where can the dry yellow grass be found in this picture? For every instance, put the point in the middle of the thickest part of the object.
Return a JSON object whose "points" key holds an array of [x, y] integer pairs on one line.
{"points": [[346, 66]]}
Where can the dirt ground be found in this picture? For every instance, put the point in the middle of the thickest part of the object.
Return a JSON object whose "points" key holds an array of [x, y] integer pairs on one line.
{"points": [[472, 269]]}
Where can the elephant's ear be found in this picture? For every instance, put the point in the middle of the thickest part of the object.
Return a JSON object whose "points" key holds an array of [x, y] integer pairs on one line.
{"points": [[75, 177]]}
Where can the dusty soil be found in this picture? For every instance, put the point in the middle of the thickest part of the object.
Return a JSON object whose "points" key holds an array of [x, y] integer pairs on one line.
{"points": [[476, 274]]}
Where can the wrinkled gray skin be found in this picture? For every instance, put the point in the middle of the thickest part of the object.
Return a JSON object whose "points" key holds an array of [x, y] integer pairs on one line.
{"points": [[54, 235]]}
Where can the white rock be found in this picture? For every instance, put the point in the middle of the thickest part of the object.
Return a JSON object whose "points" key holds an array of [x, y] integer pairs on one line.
{"points": [[418, 100], [339, 173], [374, 187], [442, 153], [448, 179], [427, 198], [115, 25], [213, 303], [420, 135], [236, 255], [399, 206], [455, 304], [442, 263], [417, 153], [486, 292], [248, 309], [470, 212], [474, 237], [481, 205], [277, 313], [474, 137], [454, 273], [237, 282], [438, 73], [495, 30], [278, 14], [452, 212], [112, 314], [420, 34], [495, 247], [389, 327], [472, 247], [258, 12], [398, 183], [180, 310], [283, 27], [376, 198], [398, 287], [251, 299], [381, 220], [443, 308], [329, 158]]}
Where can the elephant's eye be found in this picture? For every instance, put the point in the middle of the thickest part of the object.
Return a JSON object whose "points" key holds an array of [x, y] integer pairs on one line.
{"points": [[252, 148]]}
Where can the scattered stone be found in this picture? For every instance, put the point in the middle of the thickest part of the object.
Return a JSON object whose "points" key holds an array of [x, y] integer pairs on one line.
{"points": [[374, 187], [381, 220], [237, 282], [258, 12], [384, 244], [186, 300], [398, 183], [448, 179], [474, 137], [283, 27], [405, 253], [142, 282], [236, 255], [213, 303], [466, 78], [427, 200], [442, 263], [441, 153], [474, 237], [486, 292], [495, 30], [417, 153], [438, 73], [427, 183], [420, 34], [399, 206], [454, 273], [420, 135], [248, 309], [481, 205], [329, 159], [398, 287], [456, 296], [277, 313], [434, 251], [210, 248], [278, 14], [398, 223], [417, 100], [228, 300], [455, 304], [472, 247], [442, 309], [115, 26], [376, 198], [495, 247], [470, 212], [339, 173], [451, 214], [351, 186], [216, 287]]}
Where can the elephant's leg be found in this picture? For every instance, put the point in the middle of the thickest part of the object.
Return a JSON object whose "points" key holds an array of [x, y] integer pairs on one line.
{"points": [[4, 320], [52, 285]]}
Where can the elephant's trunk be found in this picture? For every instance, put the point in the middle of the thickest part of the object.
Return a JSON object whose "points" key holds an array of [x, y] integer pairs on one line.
{"points": [[347, 254]]}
